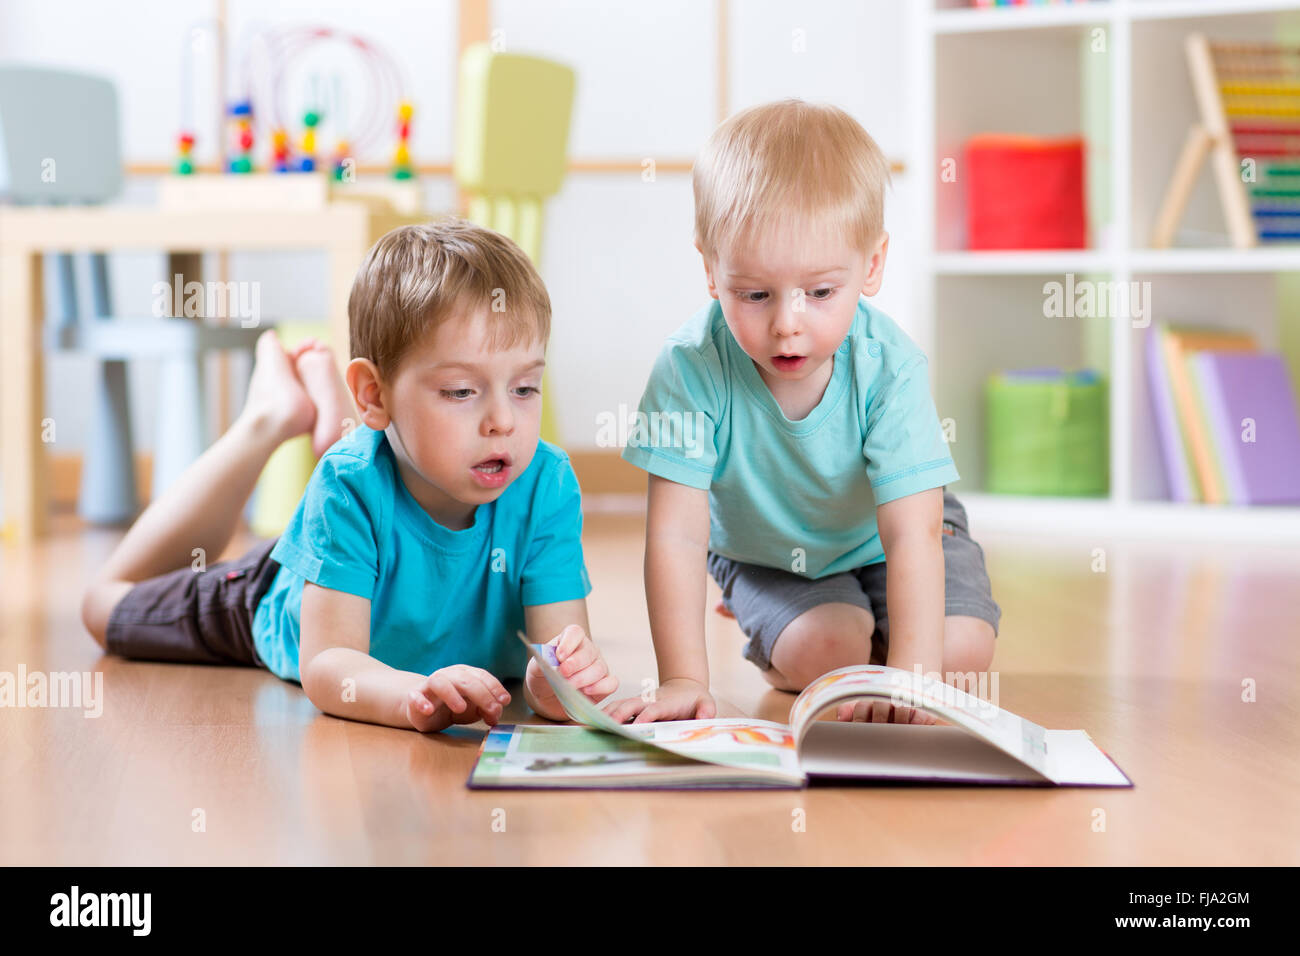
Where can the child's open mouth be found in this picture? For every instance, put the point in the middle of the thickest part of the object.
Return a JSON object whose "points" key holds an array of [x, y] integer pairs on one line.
{"points": [[788, 363], [492, 472]]}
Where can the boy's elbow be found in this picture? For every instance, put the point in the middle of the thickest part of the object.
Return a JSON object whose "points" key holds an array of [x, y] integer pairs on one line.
{"points": [[313, 679]]}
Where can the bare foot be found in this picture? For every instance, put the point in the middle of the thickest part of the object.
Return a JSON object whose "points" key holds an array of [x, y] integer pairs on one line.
{"points": [[301, 347], [276, 398], [320, 377]]}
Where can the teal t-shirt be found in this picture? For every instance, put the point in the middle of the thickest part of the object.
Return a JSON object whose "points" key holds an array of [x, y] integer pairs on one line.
{"points": [[796, 495], [437, 597]]}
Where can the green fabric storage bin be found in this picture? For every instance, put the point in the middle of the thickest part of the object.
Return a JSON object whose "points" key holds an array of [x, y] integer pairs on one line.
{"points": [[1047, 433]]}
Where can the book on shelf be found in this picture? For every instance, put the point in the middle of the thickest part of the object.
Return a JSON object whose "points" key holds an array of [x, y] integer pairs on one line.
{"points": [[1184, 438], [1249, 409], [981, 743]]}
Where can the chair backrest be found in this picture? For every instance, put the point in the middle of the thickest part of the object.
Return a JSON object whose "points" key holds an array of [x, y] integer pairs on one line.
{"points": [[59, 140], [512, 136]]}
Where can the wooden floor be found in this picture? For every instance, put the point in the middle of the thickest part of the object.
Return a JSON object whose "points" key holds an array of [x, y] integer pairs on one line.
{"points": [[1149, 656]]}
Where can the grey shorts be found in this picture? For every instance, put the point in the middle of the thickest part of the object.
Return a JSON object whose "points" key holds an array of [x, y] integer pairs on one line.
{"points": [[765, 600], [195, 617]]}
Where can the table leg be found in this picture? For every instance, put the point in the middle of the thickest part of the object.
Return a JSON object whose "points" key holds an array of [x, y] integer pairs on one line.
{"points": [[189, 267], [26, 431], [181, 413]]}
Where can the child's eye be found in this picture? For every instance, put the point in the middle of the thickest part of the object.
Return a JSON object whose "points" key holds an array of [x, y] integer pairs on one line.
{"points": [[752, 296], [527, 391], [822, 293], [457, 393]]}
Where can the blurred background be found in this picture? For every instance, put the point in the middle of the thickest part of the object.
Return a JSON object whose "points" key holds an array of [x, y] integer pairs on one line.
{"points": [[1097, 257]]}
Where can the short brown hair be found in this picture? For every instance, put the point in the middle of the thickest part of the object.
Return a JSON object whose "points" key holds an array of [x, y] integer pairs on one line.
{"points": [[416, 277], [789, 163]]}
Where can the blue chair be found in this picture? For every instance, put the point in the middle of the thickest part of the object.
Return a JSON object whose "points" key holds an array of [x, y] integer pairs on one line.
{"points": [[59, 144]]}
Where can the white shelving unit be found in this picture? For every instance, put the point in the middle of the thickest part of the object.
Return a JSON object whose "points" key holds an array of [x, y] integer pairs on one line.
{"points": [[1115, 71]]}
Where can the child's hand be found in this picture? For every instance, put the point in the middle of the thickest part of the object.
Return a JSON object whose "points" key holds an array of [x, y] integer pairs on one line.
{"points": [[580, 662], [458, 694], [882, 712], [676, 699]]}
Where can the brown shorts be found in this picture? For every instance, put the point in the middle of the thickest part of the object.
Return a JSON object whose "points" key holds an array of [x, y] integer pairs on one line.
{"points": [[195, 617]]}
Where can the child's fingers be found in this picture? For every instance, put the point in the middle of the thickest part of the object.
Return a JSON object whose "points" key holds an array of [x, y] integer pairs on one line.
{"points": [[493, 685], [425, 715], [648, 715], [442, 685], [589, 674], [676, 709], [623, 709], [580, 658], [602, 688], [475, 688], [568, 641], [419, 702]]}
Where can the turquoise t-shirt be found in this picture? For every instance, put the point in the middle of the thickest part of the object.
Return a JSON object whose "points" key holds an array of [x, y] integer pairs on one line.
{"points": [[437, 597], [796, 495]]}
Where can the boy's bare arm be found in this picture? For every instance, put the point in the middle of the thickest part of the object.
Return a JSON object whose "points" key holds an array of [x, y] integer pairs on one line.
{"points": [[335, 648], [911, 533], [676, 559]]}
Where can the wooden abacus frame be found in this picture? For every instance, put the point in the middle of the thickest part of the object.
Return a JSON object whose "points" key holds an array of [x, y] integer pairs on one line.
{"points": [[1214, 136]]}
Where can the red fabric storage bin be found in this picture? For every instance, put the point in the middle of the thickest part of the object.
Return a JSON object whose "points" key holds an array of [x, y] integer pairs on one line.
{"points": [[1024, 192]]}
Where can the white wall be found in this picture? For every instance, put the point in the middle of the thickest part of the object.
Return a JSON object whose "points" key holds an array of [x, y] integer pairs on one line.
{"points": [[617, 255]]}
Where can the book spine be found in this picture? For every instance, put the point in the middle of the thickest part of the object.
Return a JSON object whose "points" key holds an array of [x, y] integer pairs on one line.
{"points": [[1218, 426], [1188, 420], [1171, 442]]}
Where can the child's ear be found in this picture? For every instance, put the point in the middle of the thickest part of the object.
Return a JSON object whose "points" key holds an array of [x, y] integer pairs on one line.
{"points": [[363, 382], [708, 270], [876, 273]]}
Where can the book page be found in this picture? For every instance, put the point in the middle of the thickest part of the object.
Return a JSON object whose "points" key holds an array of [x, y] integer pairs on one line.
{"points": [[542, 755], [728, 742], [854, 750], [1013, 735]]}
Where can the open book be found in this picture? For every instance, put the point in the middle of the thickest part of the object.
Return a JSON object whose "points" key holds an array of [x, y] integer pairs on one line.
{"points": [[984, 744]]}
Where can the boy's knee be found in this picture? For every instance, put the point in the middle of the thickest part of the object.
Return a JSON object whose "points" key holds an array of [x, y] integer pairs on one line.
{"points": [[820, 640], [97, 605], [968, 644]]}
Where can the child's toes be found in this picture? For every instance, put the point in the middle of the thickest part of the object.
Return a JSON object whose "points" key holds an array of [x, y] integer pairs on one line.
{"points": [[301, 347]]}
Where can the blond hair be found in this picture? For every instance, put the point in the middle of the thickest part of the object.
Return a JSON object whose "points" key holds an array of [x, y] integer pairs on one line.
{"points": [[789, 164], [416, 277]]}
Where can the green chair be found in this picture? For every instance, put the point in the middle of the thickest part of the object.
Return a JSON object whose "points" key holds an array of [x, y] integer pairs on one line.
{"points": [[512, 135]]}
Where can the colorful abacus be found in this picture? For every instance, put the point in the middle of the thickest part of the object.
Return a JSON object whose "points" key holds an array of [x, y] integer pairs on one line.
{"points": [[402, 155], [185, 162], [307, 162], [1260, 87], [242, 159], [1248, 95], [280, 150], [266, 62], [341, 154]]}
